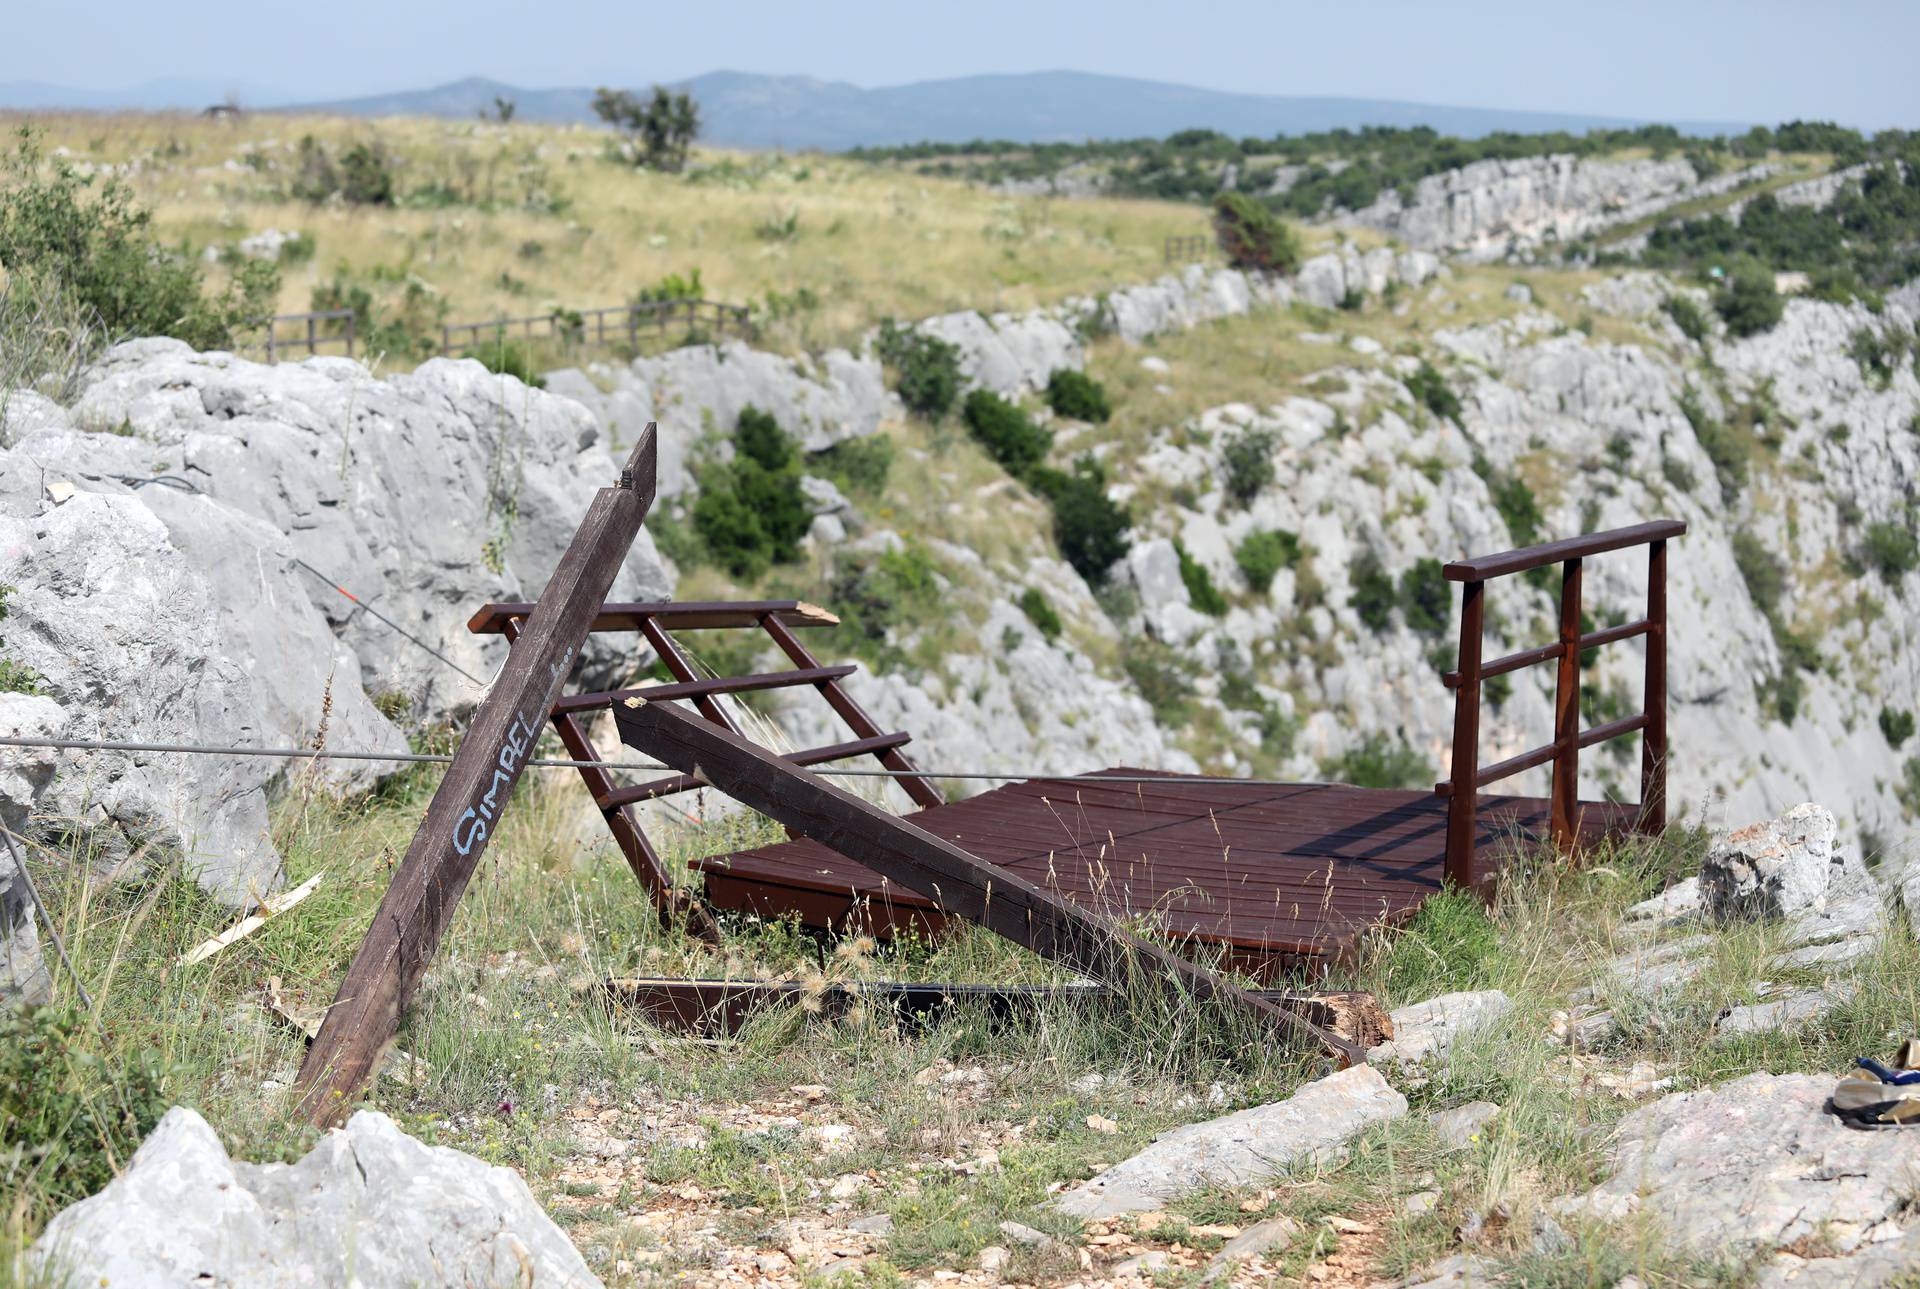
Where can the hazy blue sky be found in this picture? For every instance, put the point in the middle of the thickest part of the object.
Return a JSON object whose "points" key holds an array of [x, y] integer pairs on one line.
{"points": [[1851, 60]]}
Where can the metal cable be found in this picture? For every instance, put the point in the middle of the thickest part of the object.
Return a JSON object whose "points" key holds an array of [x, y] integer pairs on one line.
{"points": [[53, 932], [557, 763]]}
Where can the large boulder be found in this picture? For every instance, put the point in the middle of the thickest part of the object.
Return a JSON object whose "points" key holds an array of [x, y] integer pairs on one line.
{"points": [[1757, 1165], [368, 1206], [198, 550], [1312, 1125], [1776, 868]]}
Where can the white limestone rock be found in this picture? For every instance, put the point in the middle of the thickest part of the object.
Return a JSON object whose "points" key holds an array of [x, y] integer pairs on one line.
{"points": [[1775, 868], [1427, 1031], [368, 1205], [1314, 1124]]}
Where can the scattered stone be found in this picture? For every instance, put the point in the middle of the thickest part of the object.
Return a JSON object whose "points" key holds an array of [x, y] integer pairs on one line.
{"points": [[1459, 1127], [994, 1258], [835, 1136], [1796, 1008], [1461, 1271], [1144, 1265], [368, 1205], [1772, 869], [1839, 953], [1420, 1203], [1520, 293], [1637, 1080], [1755, 1164], [1020, 1233], [1100, 1123], [1649, 970], [1313, 1124], [1549, 1237], [1250, 1243], [873, 1224], [1887, 1263], [1158, 366], [841, 1267], [1681, 900], [1427, 1031], [1584, 1027]]}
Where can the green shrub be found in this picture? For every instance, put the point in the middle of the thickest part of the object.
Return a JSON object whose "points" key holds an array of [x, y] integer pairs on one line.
{"points": [[657, 132], [97, 245], [1264, 554], [858, 465], [314, 176], [1747, 301], [366, 177], [1426, 600], [1765, 576], [1008, 434], [1888, 548], [15, 677], [1075, 394], [508, 358], [1514, 501], [1201, 592], [1430, 388], [1040, 612], [1379, 762], [752, 513], [1089, 526], [1160, 676], [67, 1116], [1896, 725], [1687, 317], [1249, 460], [1373, 595], [893, 588], [672, 287], [1907, 791], [1880, 352], [1252, 236], [926, 369], [757, 436]]}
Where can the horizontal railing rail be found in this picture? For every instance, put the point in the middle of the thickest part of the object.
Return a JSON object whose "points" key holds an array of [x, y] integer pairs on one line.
{"points": [[598, 327], [314, 338], [1466, 777], [1185, 250]]}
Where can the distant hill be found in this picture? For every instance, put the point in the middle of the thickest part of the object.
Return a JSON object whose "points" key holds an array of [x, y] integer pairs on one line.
{"points": [[743, 109]]}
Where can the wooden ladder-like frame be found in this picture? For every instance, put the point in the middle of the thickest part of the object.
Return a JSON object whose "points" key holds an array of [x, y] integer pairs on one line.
{"points": [[655, 622]]}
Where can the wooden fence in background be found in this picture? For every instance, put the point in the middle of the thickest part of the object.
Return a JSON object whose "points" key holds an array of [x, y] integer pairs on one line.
{"points": [[313, 333]]}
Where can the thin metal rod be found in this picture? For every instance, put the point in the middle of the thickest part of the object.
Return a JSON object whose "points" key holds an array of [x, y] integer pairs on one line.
{"points": [[557, 763], [53, 932]]}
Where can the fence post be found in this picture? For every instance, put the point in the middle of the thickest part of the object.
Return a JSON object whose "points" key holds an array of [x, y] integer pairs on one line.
{"points": [[271, 328], [351, 319], [1466, 740], [1653, 740], [1565, 813]]}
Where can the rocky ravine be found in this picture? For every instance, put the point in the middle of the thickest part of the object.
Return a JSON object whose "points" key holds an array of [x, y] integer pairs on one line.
{"points": [[153, 530]]}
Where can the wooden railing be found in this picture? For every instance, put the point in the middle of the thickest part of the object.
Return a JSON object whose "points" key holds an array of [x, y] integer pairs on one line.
{"points": [[1186, 250], [590, 326], [1563, 753], [313, 338]]}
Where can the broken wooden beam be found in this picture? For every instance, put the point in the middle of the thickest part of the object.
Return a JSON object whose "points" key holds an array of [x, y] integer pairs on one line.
{"points": [[961, 883], [721, 1008], [466, 808]]}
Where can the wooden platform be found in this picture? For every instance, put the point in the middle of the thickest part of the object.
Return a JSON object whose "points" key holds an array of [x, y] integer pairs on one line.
{"points": [[1275, 876]]}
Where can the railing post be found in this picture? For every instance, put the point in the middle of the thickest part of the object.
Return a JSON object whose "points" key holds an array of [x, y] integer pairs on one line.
{"points": [[1565, 814], [351, 318], [270, 330], [1466, 740], [1653, 740]]}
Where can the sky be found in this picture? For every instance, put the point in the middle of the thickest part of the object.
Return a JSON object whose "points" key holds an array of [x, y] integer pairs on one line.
{"points": [[1761, 60]]}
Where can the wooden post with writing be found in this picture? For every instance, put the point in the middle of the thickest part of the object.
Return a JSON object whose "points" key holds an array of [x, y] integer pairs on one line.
{"points": [[465, 811]]}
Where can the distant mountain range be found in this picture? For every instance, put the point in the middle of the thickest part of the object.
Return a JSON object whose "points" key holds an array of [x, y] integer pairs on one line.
{"points": [[742, 109]]}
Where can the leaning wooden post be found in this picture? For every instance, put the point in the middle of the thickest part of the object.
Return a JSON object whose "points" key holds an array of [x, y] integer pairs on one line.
{"points": [[1653, 741], [1564, 807], [466, 808], [1466, 740], [959, 882]]}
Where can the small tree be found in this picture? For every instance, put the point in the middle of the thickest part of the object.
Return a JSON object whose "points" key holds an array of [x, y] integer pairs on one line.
{"points": [[1748, 303], [659, 131], [1253, 237]]}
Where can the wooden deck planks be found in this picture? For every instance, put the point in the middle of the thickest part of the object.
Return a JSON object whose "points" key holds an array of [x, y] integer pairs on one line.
{"points": [[1293, 871]]}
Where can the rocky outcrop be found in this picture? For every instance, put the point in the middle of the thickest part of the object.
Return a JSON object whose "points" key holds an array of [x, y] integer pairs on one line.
{"points": [[162, 540], [1757, 1165], [368, 1205], [24, 775], [697, 392], [1489, 209], [1311, 1126], [1427, 1031], [1772, 869]]}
